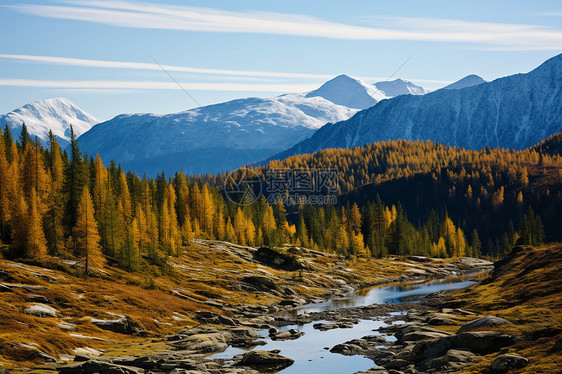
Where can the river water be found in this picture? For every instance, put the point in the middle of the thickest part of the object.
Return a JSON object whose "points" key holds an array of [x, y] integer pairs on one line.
{"points": [[309, 351]]}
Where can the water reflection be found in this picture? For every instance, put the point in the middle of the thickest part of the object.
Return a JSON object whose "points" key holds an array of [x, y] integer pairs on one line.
{"points": [[309, 351]]}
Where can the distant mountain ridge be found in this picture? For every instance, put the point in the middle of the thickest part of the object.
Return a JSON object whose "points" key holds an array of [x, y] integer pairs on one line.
{"points": [[512, 112], [222, 137], [399, 87], [56, 114], [468, 81]]}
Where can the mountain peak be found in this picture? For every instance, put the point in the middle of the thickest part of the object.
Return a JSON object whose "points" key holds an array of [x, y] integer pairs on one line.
{"points": [[348, 91], [468, 81], [399, 87], [56, 114]]}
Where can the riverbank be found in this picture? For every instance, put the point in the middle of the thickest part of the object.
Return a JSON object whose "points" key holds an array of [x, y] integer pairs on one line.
{"points": [[52, 316]]}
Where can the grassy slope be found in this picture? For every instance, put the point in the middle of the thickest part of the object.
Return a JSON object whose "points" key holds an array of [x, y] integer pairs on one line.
{"points": [[525, 289], [203, 273]]}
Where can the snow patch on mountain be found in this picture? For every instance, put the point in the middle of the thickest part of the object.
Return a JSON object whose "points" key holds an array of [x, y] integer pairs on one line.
{"points": [[56, 114], [350, 92], [399, 87]]}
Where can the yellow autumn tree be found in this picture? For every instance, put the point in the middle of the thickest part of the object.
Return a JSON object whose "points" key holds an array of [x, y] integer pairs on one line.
{"points": [[85, 234]]}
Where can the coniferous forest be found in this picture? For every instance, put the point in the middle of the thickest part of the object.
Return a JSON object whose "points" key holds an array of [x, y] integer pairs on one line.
{"points": [[67, 204]]}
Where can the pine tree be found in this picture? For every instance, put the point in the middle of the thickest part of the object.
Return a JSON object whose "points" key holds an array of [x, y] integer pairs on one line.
{"points": [[476, 244], [85, 234], [25, 138]]}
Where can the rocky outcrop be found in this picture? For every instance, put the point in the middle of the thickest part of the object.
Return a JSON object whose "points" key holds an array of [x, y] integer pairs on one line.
{"points": [[276, 259], [41, 310], [290, 334], [266, 361], [122, 325], [507, 362], [213, 318], [488, 321]]}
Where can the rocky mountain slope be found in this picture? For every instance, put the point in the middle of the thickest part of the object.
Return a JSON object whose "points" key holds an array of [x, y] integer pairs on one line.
{"points": [[512, 112]]}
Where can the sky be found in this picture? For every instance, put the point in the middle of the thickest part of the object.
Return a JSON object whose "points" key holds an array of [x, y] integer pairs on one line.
{"points": [[113, 57]]}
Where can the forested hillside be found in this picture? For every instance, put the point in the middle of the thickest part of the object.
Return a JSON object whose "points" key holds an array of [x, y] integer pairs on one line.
{"points": [[68, 205]]}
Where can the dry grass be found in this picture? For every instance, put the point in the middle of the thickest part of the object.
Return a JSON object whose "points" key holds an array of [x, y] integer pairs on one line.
{"points": [[527, 291]]}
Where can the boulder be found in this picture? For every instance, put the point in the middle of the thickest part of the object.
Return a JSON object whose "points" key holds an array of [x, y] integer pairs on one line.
{"points": [[454, 359], [121, 325], [276, 259], [483, 342], [507, 362], [439, 321], [423, 335], [265, 360], [286, 335], [41, 310], [261, 283], [487, 321], [396, 364], [325, 326], [213, 318], [204, 342], [243, 337]]}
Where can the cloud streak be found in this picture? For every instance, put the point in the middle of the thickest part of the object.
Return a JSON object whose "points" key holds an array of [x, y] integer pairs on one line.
{"points": [[150, 66], [232, 74], [188, 18], [156, 85]]}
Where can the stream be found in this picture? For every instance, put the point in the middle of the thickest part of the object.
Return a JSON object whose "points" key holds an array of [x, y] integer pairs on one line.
{"points": [[311, 351]]}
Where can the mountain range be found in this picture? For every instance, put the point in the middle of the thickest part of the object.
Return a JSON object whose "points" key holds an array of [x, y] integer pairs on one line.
{"points": [[516, 111], [222, 137], [512, 112], [56, 114]]}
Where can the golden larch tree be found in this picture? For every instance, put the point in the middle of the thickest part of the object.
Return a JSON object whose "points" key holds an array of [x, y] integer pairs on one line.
{"points": [[85, 234]]}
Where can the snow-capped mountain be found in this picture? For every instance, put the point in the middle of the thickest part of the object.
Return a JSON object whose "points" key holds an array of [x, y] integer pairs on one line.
{"points": [[399, 87], [350, 92], [56, 114], [213, 138], [512, 112], [468, 81]]}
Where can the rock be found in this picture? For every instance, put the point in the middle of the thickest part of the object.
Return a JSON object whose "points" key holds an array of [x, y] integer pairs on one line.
{"points": [[396, 364], [351, 348], [213, 318], [487, 321], [286, 335], [325, 326], [121, 325], [204, 342], [475, 262], [439, 321], [423, 335], [98, 367], [243, 337], [419, 259], [557, 346], [507, 362], [261, 283], [37, 299], [483, 342], [428, 349], [41, 310], [454, 359], [265, 360], [275, 259]]}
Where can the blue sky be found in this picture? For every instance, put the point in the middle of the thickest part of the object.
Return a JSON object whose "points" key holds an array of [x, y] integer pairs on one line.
{"points": [[106, 56]]}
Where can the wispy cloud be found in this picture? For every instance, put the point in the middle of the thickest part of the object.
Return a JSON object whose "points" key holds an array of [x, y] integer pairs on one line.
{"points": [[188, 18], [150, 66], [156, 85], [232, 74]]}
